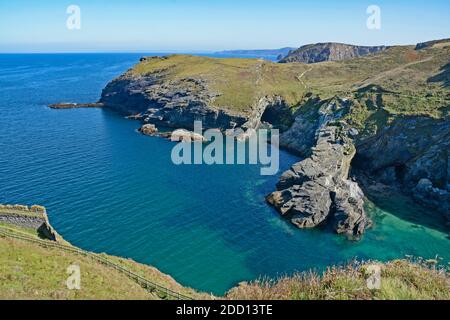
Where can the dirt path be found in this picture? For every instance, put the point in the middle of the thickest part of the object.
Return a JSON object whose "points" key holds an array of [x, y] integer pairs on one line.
{"points": [[299, 78], [389, 73]]}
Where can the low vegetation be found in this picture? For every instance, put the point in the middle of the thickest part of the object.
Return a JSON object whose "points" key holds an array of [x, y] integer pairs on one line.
{"points": [[400, 280], [412, 82], [31, 271]]}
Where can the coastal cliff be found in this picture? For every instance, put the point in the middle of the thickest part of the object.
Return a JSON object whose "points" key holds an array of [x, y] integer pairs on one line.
{"points": [[330, 51], [318, 188], [383, 115]]}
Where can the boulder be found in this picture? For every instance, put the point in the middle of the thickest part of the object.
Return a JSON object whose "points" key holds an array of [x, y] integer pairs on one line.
{"points": [[349, 215], [186, 136], [149, 129]]}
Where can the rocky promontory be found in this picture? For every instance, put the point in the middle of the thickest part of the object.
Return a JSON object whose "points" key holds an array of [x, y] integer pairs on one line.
{"points": [[170, 103], [318, 189]]}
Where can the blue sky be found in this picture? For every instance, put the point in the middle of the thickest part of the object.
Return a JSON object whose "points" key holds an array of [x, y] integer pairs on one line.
{"points": [[206, 25]]}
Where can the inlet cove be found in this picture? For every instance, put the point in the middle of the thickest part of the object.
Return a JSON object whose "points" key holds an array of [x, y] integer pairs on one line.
{"points": [[362, 172]]}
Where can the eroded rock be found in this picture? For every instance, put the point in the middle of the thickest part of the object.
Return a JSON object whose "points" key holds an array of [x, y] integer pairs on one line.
{"points": [[186, 136], [317, 188], [149, 129]]}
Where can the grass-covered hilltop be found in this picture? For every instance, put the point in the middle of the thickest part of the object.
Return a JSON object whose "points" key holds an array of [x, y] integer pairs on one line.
{"points": [[380, 118], [34, 262], [236, 85]]}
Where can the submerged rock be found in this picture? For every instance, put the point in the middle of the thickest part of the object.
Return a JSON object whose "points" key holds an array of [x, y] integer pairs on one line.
{"points": [[349, 215]]}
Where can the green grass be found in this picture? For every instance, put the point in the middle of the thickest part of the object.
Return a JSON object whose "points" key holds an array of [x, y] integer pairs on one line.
{"points": [[31, 271], [402, 72], [400, 280], [20, 230]]}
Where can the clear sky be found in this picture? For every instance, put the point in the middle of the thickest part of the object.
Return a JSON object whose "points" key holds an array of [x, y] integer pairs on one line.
{"points": [[205, 25]]}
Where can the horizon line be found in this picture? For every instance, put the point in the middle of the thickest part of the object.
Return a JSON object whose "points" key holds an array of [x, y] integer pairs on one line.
{"points": [[203, 51]]}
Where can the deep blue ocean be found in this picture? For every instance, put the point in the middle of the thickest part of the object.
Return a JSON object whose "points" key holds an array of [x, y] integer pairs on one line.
{"points": [[109, 189]]}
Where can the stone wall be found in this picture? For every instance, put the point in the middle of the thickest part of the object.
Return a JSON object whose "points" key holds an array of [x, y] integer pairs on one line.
{"points": [[34, 217]]}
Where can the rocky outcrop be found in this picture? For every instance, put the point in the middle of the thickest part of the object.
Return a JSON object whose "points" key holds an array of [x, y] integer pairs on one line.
{"points": [[412, 153], [149, 129], [301, 136], [330, 51], [364, 132], [169, 103], [75, 105], [429, 44], [317, 189]]}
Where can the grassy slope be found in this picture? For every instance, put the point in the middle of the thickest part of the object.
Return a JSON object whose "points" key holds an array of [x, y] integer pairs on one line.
{"points": [[402, 71], [30, 271], [399, 280]]}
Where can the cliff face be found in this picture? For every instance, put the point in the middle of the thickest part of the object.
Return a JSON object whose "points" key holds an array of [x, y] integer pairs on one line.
{"points": [[318, 189], [167, 103], [413, 152], [408, 153], [313, 53]]}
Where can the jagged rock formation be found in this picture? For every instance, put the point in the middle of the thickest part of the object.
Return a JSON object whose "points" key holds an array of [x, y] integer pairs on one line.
{"points": [[330, 51], [149, 129], [317, 188], [429, 44]]}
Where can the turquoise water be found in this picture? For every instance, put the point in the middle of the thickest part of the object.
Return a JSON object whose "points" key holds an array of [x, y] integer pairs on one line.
{"points": [[109, 189]]}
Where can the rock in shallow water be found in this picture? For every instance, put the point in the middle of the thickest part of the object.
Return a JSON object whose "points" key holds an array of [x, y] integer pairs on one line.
{"points": [[149, 129], [317, 188], [186, 136]]}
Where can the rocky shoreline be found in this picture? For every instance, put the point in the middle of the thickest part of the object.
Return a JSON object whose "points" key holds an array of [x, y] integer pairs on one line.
{"points": [[409, 152]]}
